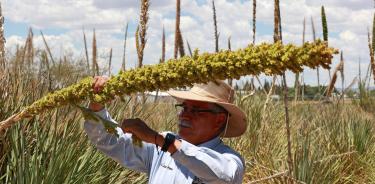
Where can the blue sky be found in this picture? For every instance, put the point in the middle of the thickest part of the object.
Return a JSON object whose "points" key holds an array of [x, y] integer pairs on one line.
{"points": [[62, 23]]}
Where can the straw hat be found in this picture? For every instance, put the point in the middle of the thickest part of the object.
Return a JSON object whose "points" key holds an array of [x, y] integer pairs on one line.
{"points": [[221, 94]]}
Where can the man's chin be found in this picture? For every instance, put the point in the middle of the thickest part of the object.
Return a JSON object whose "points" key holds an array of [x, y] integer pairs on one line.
{"points": [[183, 133]]}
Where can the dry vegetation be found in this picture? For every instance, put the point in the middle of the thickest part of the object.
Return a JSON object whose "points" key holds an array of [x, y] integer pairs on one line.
{"points": [[332, 143], [329, 142]]}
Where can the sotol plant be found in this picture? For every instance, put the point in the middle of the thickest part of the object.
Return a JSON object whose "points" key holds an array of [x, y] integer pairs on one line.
{"points": [[271, 59]]}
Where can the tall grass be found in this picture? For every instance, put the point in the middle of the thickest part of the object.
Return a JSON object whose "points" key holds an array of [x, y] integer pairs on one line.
{"points": [[331, 143]]}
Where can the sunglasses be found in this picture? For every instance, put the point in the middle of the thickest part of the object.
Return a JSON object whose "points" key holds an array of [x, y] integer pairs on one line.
{"points": [[182, 108]]}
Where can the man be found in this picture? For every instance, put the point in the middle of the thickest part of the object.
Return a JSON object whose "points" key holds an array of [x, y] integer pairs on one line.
{"points": [[195, 155]]}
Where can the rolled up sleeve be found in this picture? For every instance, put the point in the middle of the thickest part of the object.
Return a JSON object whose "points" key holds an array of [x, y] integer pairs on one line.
{"points": [[120, 149], [209, 165]]}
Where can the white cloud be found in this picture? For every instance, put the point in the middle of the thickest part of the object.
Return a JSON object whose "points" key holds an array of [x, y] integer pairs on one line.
{"points": [[352, 4], [348, 36], [125, 4], [68, 14], [347, 21], [12, 42]]}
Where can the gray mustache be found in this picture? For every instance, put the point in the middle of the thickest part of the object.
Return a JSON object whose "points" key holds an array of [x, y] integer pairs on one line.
{"points": [[184, 123]]}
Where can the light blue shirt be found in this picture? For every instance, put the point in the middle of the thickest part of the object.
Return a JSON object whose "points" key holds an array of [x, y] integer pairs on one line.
{"points": [[210, 162]]}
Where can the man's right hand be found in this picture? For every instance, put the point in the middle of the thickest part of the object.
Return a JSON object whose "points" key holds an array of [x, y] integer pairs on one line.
{"points": [[99, 82]]}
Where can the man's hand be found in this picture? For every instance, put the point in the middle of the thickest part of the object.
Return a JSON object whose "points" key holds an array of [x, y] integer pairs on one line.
{"points": [[98, 85], [140, 129]]}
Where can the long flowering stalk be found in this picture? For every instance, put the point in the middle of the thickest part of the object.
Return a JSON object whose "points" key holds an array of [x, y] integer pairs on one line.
{"points": [[2, 41], [271, 59]]}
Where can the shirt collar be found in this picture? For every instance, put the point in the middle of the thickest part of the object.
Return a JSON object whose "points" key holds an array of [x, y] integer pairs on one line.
{"points": [[211, 143]]}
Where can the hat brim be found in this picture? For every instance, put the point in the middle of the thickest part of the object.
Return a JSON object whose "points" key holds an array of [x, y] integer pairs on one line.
{"points": [[237, 122]]}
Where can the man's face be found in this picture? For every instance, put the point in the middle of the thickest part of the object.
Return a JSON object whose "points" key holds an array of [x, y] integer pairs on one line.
{"points": [[197, 125]]}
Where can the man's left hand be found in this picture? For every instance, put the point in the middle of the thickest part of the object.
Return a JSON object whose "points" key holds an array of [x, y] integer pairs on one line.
{"points": [[140, 129]]}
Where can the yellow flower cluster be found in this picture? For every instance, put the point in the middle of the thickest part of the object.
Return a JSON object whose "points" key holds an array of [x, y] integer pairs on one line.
{"points": [[271, 59]]}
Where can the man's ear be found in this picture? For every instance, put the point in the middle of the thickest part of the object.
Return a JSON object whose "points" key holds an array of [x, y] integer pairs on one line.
{"points": [[220, 119], [222, 116]]}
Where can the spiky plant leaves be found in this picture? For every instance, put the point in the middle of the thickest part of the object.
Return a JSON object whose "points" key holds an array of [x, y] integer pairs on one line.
{"points": [[94, 55], [163, 47], [189, 48], [123, 65], [324, 24], [254, 19], [216, 35], [86, 50], [373, 33], [177, 29], [141, 31], [2, 41]]}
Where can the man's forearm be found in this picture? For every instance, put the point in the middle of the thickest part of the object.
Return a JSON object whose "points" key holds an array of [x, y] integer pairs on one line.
{"points": [[119, 149]]}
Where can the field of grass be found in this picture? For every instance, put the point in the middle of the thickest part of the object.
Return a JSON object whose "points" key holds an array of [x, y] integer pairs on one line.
{"points": [[331, 143]]}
